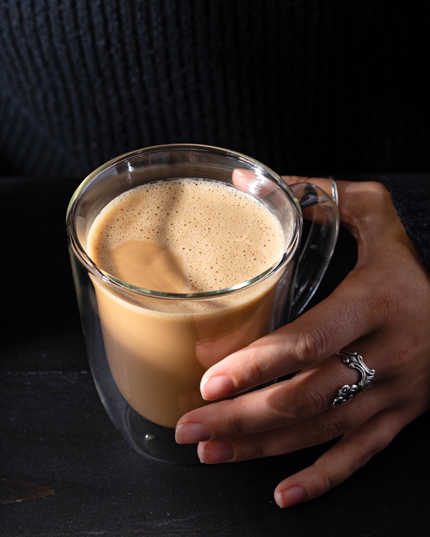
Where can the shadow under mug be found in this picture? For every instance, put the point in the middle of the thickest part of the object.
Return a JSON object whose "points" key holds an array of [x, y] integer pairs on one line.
{"points": [[148, 350]]}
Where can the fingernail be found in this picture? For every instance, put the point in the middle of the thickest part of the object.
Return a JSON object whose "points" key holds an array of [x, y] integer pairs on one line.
{"points": [[215, 452], [291, 496], [216, 387], [191, 433]]}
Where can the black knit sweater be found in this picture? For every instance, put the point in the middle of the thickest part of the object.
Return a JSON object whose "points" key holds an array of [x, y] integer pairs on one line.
{"points": [[309, 87]]}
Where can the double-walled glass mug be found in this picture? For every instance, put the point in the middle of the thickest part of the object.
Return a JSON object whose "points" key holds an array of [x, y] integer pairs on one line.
{"points": [[149, 349]]}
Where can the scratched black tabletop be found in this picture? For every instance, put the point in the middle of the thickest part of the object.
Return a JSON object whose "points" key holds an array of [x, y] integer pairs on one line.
{"points": [[65, 470]]}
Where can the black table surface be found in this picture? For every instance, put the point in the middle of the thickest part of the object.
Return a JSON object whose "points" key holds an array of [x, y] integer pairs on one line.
{"points": [[65, 470]]}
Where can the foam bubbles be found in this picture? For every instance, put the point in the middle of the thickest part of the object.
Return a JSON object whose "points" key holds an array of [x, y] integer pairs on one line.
{"points": [[223, 236]]}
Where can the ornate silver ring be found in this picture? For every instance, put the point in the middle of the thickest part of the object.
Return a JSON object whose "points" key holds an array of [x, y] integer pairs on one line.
{"points": [[354, 361]]}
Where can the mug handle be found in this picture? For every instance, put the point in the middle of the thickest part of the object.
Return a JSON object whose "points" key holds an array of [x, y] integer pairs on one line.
{"points": [[320, 243]]}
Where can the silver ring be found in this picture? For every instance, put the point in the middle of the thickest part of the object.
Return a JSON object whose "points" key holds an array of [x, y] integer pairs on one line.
{"points": [[334, 192], [354, 361]]}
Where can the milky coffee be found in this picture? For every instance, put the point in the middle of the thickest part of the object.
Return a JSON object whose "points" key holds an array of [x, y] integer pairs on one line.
{"points": [[181, 236]]}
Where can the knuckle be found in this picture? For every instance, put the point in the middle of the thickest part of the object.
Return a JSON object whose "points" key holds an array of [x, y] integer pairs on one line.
{"points": [[363, 454], [238, 427], [375, 194], [369, 196], [306, 403], [256, 371], [233, 423], [258, 450], [329, 478], [326, 480], [246, 449], [385, 300], [326, 428], [384, 296], [312, 343], [378, 191]]}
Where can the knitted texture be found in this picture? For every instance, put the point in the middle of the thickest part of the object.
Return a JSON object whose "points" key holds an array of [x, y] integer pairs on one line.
{"points": [[412, 206], [308, 87]]}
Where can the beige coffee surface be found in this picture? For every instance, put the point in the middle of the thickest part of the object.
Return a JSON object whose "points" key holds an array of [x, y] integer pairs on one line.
{"points": [[181, 236], [215, 236]]}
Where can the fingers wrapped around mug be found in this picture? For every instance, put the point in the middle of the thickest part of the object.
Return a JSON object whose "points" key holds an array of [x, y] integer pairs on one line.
{"points": [[289, 415]]}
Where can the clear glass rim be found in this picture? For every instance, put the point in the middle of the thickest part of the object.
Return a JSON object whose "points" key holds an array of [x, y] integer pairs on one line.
{"points": [[96, 271]]}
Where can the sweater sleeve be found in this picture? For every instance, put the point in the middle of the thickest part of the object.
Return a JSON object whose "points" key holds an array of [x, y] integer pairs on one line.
{"points": [[411, 198]]}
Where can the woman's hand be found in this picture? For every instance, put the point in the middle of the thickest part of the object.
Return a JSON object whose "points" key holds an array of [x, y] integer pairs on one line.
{"points": [[381, 311]]}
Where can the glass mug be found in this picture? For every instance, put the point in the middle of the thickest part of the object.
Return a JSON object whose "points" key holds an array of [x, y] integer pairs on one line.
{"points": [[149, 349]]}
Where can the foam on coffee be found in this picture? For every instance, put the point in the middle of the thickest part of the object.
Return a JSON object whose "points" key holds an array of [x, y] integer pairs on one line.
{"points": [[213, 234]]}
